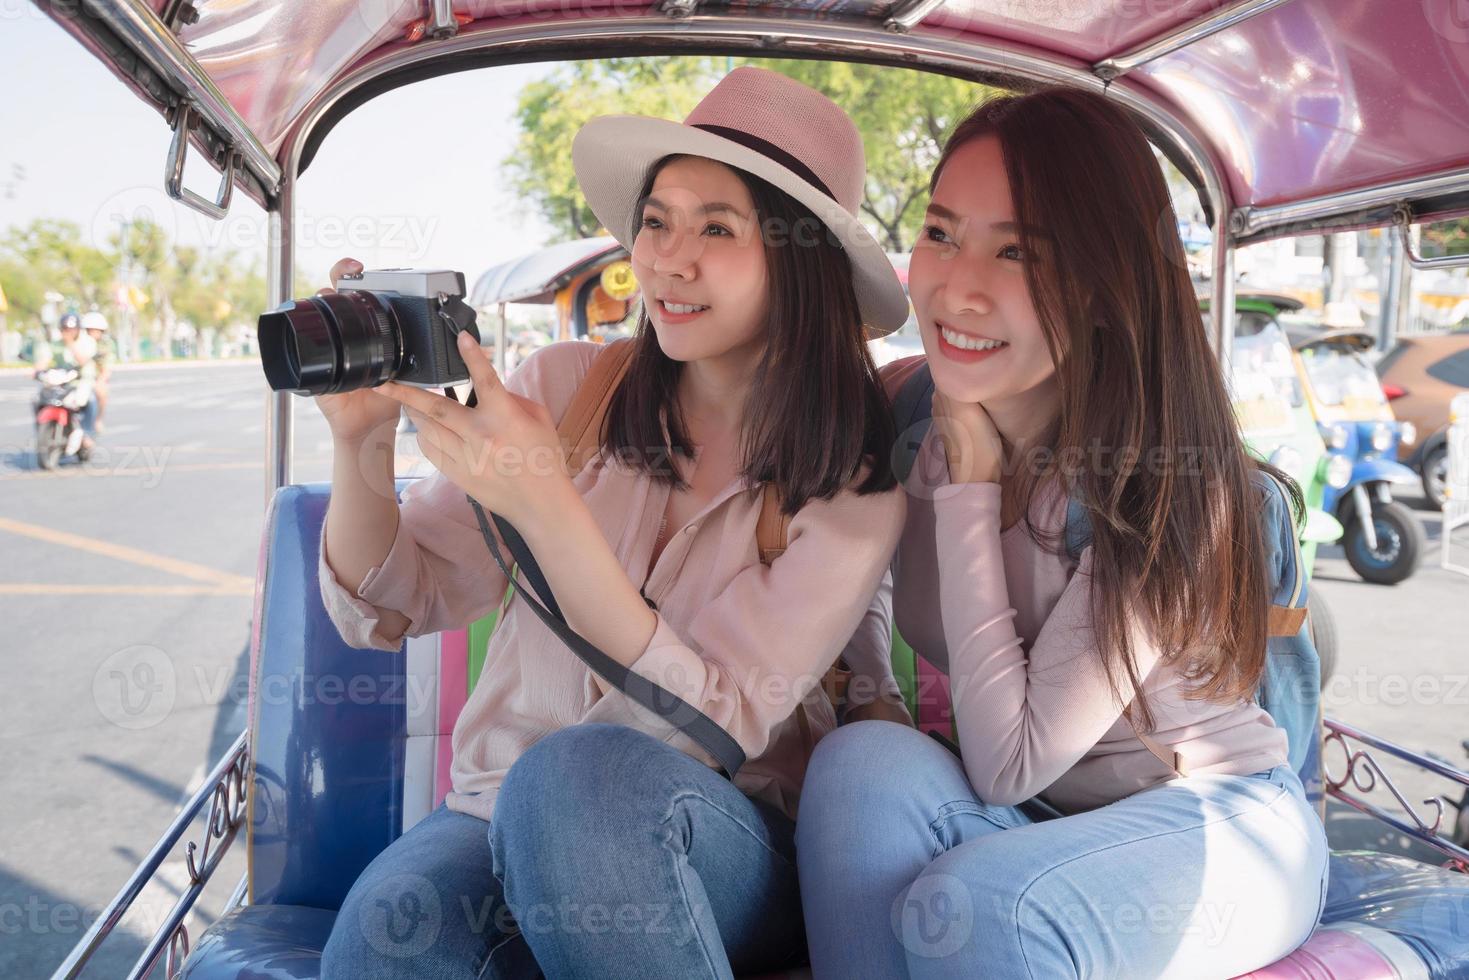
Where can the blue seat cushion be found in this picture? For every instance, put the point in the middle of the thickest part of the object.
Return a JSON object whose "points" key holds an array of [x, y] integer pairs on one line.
{"points": [[279, 942]]}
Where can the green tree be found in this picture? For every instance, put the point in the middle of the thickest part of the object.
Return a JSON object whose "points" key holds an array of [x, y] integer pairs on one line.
{"points": [[550, 112], [903, 117], [51, 255], [1447, 237]]}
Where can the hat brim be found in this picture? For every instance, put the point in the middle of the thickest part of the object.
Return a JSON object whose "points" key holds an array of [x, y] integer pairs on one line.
{"points": [[612, 154]]}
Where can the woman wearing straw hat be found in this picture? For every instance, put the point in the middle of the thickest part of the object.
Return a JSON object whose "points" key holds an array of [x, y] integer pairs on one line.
{"points": [[583, 829]]}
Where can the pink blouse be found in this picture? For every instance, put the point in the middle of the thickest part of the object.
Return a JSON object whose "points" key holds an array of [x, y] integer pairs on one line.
{"points": [[742, 642], [1010, 622]]}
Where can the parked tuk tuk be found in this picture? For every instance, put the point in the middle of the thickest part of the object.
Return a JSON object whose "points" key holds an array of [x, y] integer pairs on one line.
{"points": [[1280, 113], [1384, 540], [1277, 426], [1270, 404], [588, 283]]}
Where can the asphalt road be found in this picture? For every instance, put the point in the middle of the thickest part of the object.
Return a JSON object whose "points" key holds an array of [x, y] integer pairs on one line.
{"points": [[147, 555]]}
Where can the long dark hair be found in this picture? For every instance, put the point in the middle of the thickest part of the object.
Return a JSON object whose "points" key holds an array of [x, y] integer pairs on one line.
{"points": [[816, 410], [1179, 544]]}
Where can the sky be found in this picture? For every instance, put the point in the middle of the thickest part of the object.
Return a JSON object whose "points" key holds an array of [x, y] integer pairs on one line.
{"points": [[76, 144]]}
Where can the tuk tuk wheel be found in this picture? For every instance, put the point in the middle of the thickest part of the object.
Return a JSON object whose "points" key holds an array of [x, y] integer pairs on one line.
{"points": [[1436, 476], [48, 446], [1400, 543], [1323, 633]]}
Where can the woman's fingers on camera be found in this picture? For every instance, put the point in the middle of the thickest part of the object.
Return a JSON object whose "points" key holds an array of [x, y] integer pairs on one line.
{"points": [[481, 371], [343, 267]]}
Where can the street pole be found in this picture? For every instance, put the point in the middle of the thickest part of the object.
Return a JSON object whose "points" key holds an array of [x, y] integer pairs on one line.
{"points": [[1397, 267]]}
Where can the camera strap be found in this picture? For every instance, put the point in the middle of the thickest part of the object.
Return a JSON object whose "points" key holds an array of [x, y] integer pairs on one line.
{"points": [[457, 314], [713, 739]]}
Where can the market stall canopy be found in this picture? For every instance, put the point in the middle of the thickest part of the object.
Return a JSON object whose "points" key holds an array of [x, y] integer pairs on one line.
{"points": [[1295, 102]]}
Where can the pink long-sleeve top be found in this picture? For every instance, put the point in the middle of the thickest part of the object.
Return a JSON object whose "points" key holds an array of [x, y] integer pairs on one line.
{"points": [[1009, 620], [742, 642]]}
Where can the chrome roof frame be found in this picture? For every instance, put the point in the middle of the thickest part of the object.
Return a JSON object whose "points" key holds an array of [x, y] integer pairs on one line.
{"points": [[1181, 37], [134, 24], [750, 33]]}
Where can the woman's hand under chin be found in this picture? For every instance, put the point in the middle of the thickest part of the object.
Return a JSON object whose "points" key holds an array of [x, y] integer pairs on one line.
{"points": [[971, 442], [504, 452]]}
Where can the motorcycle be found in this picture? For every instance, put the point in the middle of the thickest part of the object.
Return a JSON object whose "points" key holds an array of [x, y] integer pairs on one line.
{"points": [[1384, 539], [59, 406]]}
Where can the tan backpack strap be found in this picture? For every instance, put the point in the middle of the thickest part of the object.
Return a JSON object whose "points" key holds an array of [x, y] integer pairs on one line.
{"points": [[581, 427], [1173, 760], [771, 533], [1286, 620], [773, 526], [580, 430]]}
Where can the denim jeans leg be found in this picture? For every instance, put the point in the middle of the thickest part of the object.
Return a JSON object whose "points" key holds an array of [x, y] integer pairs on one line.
{"points": [[880, 802], [1205, 876], [429, 907], [622, 856]]}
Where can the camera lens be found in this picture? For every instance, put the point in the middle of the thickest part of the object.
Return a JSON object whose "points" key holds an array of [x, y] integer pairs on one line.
{"points": [[332, 343]]}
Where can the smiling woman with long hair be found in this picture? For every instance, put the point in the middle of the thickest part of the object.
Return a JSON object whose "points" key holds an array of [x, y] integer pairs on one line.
{"points": [[748, 380], [1112, 676]]}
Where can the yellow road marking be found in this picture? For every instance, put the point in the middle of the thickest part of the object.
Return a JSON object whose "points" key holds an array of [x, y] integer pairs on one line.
{"points": [[43, 588], [174, 566]]}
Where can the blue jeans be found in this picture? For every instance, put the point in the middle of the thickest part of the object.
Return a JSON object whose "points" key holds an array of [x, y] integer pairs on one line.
{"points": [[88, 414], [906, 873], [623, 857], [430, 907]]}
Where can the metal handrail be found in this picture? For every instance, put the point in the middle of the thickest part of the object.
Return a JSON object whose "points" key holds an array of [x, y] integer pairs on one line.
{"points": [[1363, 773], [1317, 213], [1404, 231], [1179, 38], [173, 171], [137, 26], [910, 14], [223, 789]]}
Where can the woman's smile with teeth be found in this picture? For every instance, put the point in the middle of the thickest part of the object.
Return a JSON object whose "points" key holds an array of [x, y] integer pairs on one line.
{"points": [[966, 342], [681, 307]]}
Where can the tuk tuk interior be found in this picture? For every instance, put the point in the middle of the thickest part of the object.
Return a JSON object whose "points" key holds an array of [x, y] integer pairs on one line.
{"points": [[1288, 116]]}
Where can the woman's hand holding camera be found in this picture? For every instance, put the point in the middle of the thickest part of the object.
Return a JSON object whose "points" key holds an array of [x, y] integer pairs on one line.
{"points": [[504, 452], [355, 415]]}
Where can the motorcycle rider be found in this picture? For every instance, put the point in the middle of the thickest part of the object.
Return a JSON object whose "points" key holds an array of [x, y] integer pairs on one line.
{"points": [[95, 324], [74, 350]]}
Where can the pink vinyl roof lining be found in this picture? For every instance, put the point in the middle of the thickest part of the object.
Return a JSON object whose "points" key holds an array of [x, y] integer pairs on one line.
{"points": [[1308, 98]]}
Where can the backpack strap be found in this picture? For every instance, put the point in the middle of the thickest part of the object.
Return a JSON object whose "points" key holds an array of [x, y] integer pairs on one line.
{"points": [[1078, 533], [1172, 759], [912, 417], [580, 430], [773, 527], [581, 427], [581, 439], [772, 530], [1286, 618]]}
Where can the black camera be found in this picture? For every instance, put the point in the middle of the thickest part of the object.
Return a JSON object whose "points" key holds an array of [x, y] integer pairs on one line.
{"points": [[383, 325]]}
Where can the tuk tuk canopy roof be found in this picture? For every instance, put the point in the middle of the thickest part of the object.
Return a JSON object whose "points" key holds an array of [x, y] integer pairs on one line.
{"points": [[1294, 100], [536, 277]]}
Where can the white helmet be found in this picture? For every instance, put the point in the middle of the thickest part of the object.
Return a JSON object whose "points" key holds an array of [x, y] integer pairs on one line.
{"points": [[94, 321]]}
